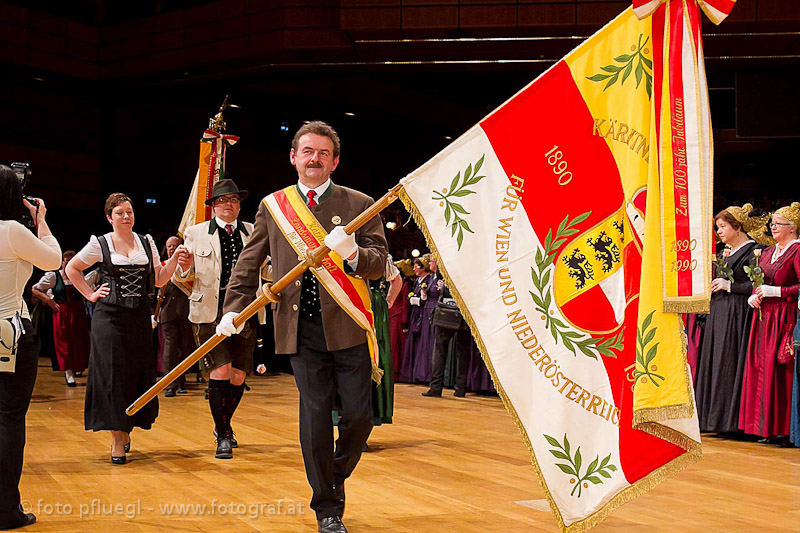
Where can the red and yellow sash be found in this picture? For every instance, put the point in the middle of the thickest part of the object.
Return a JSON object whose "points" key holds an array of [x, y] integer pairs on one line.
{"points": [[305, 233]]}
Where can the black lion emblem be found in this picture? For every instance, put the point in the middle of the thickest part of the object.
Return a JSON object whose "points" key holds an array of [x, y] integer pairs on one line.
{"points": [[579, 268], [606, 251]]}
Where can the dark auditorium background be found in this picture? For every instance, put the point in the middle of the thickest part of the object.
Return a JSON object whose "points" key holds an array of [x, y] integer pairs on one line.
{"points": [[102, 96]]}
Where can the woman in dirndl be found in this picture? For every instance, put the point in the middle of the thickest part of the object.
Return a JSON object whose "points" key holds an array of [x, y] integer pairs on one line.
{"points": [[769, 368], [122, 365], [418, 352]]}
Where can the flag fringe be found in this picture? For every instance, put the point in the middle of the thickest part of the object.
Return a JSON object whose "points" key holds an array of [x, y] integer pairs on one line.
{"points": [[636, 489], [642, 486], [645, 417], [658, 414], [699, 305], [376, 373]]}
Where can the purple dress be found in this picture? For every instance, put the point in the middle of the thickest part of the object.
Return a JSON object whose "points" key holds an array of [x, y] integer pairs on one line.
{"points": [[416, 363]]}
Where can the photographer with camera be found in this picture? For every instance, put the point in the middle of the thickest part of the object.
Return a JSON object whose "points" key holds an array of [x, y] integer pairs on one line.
{"points": [[20, 251]]}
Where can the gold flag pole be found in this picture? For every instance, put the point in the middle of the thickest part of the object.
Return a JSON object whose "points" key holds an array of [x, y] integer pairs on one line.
{"points": [[271, 293]]}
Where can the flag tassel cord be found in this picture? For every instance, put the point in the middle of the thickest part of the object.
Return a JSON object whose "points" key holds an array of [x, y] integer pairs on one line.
{"points": [[270, 293]]}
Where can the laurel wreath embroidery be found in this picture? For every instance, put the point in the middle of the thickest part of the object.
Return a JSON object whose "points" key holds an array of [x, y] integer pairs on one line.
{"points": [[458, 189], [627, 60], [593, 473], [541, 274], [643, 368]]}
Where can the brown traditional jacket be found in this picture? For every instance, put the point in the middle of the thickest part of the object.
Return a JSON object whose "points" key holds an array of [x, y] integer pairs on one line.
{"points": [[342, 205]]}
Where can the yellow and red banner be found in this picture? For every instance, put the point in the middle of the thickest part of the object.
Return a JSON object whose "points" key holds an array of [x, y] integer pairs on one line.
{"points": [[211, 169], [304, 232], [563, 222]]}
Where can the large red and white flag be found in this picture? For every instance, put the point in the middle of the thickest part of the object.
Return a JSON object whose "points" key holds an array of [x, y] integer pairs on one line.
{"points": [[571, 224]]}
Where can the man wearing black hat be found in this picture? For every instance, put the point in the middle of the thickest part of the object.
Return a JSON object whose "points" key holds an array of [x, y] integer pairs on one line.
{"points": [[214, 247]]}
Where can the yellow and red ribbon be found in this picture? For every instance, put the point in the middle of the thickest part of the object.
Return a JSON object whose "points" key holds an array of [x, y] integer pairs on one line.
{"points": [[304, 233]]}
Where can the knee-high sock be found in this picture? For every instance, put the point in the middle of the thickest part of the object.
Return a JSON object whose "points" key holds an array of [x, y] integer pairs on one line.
{"points": [[219, 400], [236, 397]]}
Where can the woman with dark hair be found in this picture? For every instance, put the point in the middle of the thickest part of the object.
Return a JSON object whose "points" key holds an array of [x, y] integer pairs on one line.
{"points": [[769, 368], [122, 365], [70, 323], [718, 387], [418, 351], [20, 251]]}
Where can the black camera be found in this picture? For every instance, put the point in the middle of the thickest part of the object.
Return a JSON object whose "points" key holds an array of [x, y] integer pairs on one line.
{"points": [[23, 172]]}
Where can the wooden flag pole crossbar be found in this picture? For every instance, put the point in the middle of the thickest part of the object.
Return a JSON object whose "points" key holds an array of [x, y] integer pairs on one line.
{"points": [[271, 293]]}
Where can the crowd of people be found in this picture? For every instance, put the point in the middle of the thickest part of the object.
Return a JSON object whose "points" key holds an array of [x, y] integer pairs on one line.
{"points": [[124, 313], [104, 308], [744, 353]]}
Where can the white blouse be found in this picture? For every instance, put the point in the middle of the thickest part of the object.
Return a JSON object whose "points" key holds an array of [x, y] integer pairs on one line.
{"points": [[48, 281], [92, 253], [20, 251], [780, 251]]}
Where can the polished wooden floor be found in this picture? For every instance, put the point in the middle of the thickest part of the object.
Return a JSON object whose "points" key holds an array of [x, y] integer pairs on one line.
{"points": [[444, 465]]}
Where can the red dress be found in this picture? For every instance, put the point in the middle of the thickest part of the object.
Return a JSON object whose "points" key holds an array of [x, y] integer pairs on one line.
{"points": [[767, 385], [70, 327], [398, 321]]}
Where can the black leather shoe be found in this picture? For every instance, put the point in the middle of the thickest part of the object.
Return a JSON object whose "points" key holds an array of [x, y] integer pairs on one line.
{"points": [[234, 442], [127, 447], [169, 393], [224, 449], [460, 393], [29, 519], [181, 390], [331, 524], [119, 460], [432, 394]]}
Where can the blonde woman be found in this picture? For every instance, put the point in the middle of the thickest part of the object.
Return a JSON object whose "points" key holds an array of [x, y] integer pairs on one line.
{"points": [[767, 390]]}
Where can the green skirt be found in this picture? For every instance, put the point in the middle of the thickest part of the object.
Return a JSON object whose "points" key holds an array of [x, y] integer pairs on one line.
{"points": [[383, 394]]}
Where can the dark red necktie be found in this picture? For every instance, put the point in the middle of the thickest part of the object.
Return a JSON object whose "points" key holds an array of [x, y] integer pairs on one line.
{"points": [[229, 229], [311, 194]]}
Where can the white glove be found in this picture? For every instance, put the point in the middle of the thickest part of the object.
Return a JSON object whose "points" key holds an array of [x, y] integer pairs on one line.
{"points": [[770, 291], [753, 301], [341, 243], [721, 284], [414, 300], [226, 327]]}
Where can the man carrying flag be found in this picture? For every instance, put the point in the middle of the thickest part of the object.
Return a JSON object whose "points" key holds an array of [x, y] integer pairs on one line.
{"points": [[329, 332]]}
